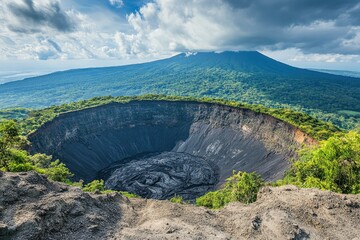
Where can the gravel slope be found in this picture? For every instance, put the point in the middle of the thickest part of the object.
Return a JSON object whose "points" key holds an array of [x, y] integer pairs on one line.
{"points": [[31, 207]]}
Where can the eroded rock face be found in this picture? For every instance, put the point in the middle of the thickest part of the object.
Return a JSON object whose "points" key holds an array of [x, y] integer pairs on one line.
{"points": [[225, 138]]}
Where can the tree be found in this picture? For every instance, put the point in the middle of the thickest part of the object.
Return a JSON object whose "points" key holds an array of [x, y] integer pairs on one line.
{"points": [[10, 144], [333, 165], [14, 158], [58, 171]]}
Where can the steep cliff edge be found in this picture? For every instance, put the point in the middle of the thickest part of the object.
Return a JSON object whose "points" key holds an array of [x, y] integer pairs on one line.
{"points": [[95, 142], [31, 207]]}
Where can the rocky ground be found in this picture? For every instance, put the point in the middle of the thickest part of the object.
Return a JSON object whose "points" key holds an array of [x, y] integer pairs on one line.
{"points": [[31, 207]]}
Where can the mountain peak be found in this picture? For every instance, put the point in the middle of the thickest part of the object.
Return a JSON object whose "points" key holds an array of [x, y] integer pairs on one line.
{"points": [[244, 61], [220, 53]]}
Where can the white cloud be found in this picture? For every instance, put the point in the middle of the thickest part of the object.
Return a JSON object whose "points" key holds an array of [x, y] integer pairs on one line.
{"points": [[165, 27], [116, 3]]}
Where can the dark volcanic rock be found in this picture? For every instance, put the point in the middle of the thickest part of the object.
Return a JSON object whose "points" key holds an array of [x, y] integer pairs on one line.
{"points": [[228, 138], [161, 176]]}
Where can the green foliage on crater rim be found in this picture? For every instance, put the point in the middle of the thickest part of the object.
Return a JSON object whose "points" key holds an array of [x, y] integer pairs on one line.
{"points": [[240, 187], [315, 128], [14, 158], [333, 165]]}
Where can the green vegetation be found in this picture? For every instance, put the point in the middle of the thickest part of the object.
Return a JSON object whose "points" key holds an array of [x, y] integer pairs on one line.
{"points": [[14, 158], [333, 165], [128, 194], [315, 128], [240, 187], [99, 186], [96, 185], [177, 199]]}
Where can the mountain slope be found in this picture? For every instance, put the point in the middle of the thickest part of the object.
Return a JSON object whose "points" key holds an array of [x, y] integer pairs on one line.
{"points": [[244, 76]]}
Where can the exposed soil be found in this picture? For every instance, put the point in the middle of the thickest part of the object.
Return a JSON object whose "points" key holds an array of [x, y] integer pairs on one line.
{"points": [[32, 207]]}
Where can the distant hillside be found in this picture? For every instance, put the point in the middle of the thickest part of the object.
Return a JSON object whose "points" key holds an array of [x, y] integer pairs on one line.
{"points": [[340, 72], [249, 77]]}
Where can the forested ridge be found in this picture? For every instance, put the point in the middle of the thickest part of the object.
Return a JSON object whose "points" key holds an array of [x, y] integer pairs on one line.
{"points": [[247, 77]]}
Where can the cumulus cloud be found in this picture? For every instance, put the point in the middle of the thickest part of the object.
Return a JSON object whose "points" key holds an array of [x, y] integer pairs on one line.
{"points": [[45, 29], [116, 3], [313, 26], [29, 16]]}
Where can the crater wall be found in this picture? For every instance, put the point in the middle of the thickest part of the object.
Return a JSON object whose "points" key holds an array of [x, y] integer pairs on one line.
{"points": [[91, 140]]}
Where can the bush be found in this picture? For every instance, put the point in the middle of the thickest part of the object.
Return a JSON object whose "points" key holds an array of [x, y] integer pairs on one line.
{"points": [[96, 185], [240, 187], [176, 199], [58, 172], [99, 185], [41, 160], [333, 165], [129, 195]]}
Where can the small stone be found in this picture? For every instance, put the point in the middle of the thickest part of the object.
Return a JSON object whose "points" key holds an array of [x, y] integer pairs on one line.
{"points": [[64, 188], [256, 223], [93, 228], [40, 212], [3, 229], [348, 203], [170, 230], [77, 210], [329, 207]]}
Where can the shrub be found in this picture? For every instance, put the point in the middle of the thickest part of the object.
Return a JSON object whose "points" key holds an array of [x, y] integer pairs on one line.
{"points": [[240, 187], [333, 165], [58, 172], [99, 185], [129, 195], [176, 199], [96, 185]]}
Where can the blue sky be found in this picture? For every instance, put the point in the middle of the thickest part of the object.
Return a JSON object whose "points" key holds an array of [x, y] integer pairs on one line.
{"points": [[38, 36]]}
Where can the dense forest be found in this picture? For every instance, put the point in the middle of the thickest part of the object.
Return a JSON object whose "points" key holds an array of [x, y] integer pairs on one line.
{"points": [[247, 77]]}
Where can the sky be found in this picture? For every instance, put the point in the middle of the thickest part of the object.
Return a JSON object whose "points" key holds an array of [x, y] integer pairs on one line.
{"points": [[39, 36]]}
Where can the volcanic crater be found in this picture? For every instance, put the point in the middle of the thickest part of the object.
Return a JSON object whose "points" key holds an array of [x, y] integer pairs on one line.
{"points": [[159, 149]]}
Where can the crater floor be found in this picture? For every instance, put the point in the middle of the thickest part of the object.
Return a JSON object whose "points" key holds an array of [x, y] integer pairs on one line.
{"points": [[162, 175]]}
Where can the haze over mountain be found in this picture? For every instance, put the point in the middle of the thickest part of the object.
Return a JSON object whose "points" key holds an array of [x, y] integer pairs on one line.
{"points": [[246, 76], [340, 72]]}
